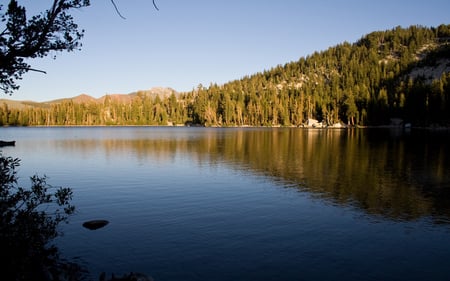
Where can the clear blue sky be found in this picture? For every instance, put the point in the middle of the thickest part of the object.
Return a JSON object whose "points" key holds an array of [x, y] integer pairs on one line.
{"points": [[188, 42]]}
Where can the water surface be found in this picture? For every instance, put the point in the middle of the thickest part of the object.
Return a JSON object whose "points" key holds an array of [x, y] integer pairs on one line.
{"points": [[250, 204]]}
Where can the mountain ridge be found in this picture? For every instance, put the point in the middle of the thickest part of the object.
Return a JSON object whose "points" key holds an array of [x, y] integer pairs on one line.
{"points": [[162, 92]]}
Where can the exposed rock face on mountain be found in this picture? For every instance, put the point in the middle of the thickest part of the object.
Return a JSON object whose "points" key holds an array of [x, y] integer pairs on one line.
{"points": [[431, 72], [156, 91]]}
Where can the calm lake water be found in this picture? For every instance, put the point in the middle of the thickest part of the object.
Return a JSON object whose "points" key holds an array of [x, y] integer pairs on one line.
{"points": [[250, 204]]}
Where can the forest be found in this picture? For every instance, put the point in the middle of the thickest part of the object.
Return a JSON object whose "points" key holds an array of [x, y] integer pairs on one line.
{"points": [[385, 74]]}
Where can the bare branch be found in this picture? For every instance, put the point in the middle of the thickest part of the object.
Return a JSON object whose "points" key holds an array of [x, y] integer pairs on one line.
{"points": [[117, 10], [36, 70], [120, 15], [154, 4]]}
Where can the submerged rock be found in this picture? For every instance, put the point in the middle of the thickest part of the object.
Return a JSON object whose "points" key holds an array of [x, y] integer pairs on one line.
{"points": [[95, 224], [127, 277]]}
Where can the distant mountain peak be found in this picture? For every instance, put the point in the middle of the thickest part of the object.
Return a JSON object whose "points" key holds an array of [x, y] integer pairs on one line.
{"points": [[83, 98], [160, 91]]}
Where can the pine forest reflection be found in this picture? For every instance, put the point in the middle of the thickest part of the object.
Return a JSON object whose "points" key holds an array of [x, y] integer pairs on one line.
{"points": [[394, 174]]}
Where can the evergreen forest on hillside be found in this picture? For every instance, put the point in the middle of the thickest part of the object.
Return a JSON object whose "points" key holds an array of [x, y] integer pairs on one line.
{"points": [[386, 74]]}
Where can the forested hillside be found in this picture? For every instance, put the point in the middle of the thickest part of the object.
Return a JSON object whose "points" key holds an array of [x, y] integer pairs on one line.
{"points": [[399, 73]]}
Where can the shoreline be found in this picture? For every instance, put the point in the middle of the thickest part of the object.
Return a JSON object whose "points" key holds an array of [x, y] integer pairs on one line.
{"points": [[432, 127]]}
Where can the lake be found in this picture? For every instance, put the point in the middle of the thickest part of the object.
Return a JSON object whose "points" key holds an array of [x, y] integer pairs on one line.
{"points": [[249, 203]]}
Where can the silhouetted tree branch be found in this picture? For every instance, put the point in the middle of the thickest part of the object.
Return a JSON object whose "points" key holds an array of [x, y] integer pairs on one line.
{"points": [[155, 5], [51, 31], [25, 38], [117, 9]]}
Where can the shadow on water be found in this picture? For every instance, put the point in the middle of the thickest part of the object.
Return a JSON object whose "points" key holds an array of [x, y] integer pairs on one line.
{"points": [[390, 173]]}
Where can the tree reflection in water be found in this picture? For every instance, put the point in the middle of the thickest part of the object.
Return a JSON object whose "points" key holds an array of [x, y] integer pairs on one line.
{"points": [[391, 173]]}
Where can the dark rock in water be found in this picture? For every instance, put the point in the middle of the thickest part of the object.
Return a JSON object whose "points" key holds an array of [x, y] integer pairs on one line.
{"points": [[95, 224], [7, 143], [127, 277]]}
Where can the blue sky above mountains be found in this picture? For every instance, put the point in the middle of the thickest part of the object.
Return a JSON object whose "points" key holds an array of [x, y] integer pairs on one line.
{"points": [[187, 43]]}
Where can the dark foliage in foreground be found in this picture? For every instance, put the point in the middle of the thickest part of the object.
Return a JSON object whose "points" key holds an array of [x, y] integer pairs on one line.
{"points": [[29, 220]]}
